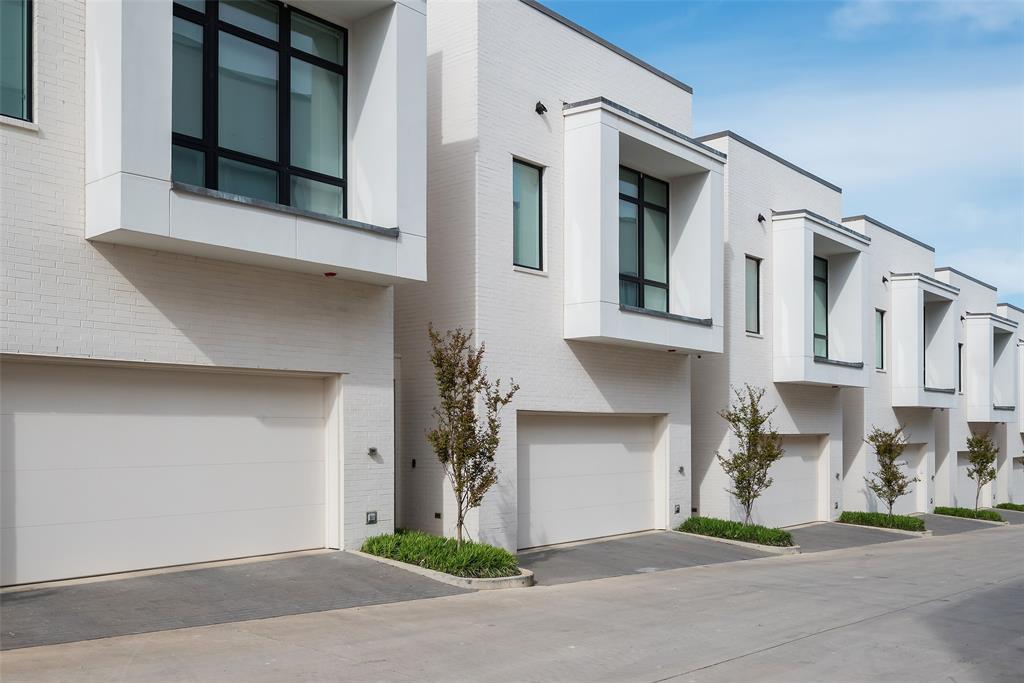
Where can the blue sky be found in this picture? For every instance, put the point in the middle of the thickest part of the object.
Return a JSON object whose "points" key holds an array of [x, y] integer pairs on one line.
{"points": [[916, 109]]}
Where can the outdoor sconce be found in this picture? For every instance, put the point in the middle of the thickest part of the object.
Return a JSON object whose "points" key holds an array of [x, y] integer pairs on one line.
{"points": [[836, 506], [884, 279], [372, 452], [837, 476], [761, 218], [682, 470], [540, 108]]}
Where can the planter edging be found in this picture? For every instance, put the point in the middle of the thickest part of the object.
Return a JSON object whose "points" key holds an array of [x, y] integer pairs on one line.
{"points": [[524, 580], [773, 549]]}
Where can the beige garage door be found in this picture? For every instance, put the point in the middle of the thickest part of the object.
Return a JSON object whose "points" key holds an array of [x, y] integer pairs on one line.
{"points": [[583, 477], [794, 496], [109, 469]]}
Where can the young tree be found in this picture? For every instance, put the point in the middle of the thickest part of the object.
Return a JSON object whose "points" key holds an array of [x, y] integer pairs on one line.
{"points": [[760, 446], [888, 482], [981, 453], [463, 440]]}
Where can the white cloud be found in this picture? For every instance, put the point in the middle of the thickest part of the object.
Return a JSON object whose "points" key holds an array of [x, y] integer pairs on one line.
{"points": [[855, 18]]}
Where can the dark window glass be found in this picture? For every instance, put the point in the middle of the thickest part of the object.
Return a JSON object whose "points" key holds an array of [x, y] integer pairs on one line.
{"points": [[16, 59], [258, 103], [879, 339], [643, 241], [527, 225], [820, 307], [753, 294]]}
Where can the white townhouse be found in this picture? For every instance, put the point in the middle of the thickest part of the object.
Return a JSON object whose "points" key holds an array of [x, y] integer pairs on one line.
{"points": [[1011, 470], [795, 291], [577, 229], [205, 207], [913, 367], [988, 394]]}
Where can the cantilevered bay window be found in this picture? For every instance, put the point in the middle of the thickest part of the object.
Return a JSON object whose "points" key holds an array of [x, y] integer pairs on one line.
{"points": [[643, 241], [258, 106]]}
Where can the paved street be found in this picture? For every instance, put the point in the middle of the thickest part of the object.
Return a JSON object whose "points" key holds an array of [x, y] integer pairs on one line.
{"points": [[944, 608]]}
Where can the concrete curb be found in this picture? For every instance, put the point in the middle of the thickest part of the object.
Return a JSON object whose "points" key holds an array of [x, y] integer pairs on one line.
{"points": [[972, 519], [772, 549], [524, 580], [906, 532]]}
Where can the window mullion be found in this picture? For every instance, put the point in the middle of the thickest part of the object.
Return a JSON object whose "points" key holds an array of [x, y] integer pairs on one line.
{"points": [[284, 132], [640, 238]]}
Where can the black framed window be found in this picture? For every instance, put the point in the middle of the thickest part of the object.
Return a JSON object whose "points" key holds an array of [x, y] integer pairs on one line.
{"points": [[753, 294], [960, 368], [16, 59], [643, 240], [258, 103], [820, 307], [527, 215], [879, 339]]}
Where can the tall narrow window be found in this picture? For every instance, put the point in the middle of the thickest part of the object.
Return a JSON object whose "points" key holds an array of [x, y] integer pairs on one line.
{"points": [[960, 367], [753, 277], [16, 59], [527, 239], [820, 307], [643, 241], [258, 104], [879, 339]]}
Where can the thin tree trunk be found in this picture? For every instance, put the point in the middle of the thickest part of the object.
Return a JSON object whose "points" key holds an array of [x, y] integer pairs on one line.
{"points": [[977, 497]]}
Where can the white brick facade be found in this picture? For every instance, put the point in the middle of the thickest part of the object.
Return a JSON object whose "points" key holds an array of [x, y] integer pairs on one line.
{"points": [[65, 297]]}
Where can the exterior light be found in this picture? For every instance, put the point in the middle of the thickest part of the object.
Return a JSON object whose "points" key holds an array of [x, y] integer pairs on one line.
{"points": [[372, 452], [371, 517], [884, 279], [540, 108], [761, 218]]}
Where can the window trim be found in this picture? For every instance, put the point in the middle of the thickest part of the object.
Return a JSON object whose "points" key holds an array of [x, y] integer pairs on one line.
{"points": [[757, 292], [816, 278], [540, 217], [30, 20], [960, 367], [209, 145], [879, 339], [639, 202]]}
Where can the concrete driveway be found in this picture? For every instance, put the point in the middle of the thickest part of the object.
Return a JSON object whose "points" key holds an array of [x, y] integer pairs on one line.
{"points": [[635, 554], [201, 596], [832, 536], [1012, 516], [938, 609], [943, 525]]}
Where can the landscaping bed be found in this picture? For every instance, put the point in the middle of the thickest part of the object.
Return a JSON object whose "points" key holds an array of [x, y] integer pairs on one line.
{"points": [[1016, 507], [882, 520], [968, 513], [468, 560], [736, 531]]}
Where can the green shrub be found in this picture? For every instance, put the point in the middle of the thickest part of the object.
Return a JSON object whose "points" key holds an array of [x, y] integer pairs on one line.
{"points": [[881, 519], [988, 515], [1011, 506], [470, 560], [736, 531]]}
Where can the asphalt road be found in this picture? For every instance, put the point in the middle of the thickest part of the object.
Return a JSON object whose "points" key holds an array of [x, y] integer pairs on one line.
{"points": [[946, 608]]}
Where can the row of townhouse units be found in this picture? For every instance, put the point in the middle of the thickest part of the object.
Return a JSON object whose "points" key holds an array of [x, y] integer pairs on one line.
{"points": [[217, 283]]}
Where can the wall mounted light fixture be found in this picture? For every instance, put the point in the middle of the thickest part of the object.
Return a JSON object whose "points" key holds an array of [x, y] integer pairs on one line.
{"points": [[540, 108]]}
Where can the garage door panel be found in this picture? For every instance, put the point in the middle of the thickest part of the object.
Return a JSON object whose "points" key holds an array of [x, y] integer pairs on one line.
{"points": [[55, 441], [558, 493], [85, 495], [60, 388], [793, 497], [583, 476], [110, 468], [585, 522], [914, 458], [65, 551]]}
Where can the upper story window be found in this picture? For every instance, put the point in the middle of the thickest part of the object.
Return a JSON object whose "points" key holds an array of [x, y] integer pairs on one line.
{"points": [[820, 307], [527, 225], [258, 103], [16, 59], [753, 294], [879, 339], [643, 241]]}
